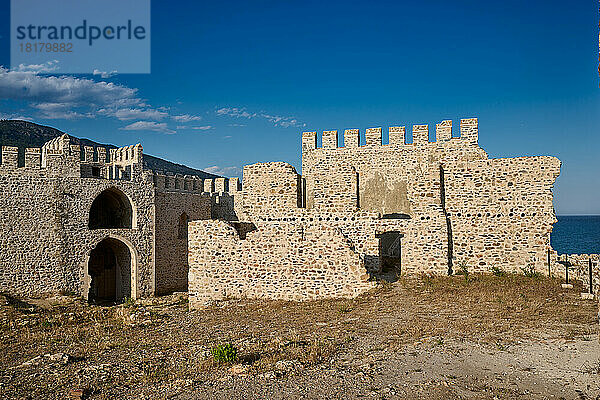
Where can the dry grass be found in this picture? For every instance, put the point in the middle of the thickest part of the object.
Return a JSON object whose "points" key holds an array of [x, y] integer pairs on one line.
{"points": [[157, 343]]}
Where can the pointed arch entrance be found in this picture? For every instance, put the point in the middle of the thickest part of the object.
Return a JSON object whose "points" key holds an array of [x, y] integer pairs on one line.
{"points": [[111, 209], [111, 271]]}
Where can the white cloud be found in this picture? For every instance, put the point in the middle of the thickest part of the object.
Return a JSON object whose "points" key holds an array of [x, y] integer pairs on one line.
{"points": [[125, 114], [58, 111], [148, 126], [68, 90], [236, 112], [284, 122], [225, 171], [183, 118], [15, 116], [196, 128], [69, 97], [48, 66], [276, 120], [104, 74]]}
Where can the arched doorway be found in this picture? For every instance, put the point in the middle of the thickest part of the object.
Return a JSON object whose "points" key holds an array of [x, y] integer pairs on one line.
{"points": [[110, 270], [111, 209]]}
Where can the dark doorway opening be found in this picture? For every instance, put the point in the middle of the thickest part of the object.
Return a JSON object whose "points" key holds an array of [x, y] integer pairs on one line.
{"points": [[390, 252], [182, 228], [110, 210], [109, 267]]}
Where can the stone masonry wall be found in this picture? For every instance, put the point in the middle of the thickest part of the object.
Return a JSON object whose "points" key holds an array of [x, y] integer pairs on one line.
{"points": [[424, 238], [389, 174], [171, 246], [501, 211], [268, 189], [451, 203], [45, 241], [279, 260]]}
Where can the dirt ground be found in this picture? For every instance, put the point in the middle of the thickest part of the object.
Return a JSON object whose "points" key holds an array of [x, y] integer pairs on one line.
{"points": [[481, 337]]}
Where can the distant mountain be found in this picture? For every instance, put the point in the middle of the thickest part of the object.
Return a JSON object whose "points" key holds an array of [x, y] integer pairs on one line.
{"points": [[24, 134]]}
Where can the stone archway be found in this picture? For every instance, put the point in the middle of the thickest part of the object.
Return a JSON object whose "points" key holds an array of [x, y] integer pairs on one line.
{"points": [[111, 209], [110, 272]]}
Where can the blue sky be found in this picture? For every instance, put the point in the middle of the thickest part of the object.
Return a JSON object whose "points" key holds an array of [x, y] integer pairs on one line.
{"points": [[234, 83]]}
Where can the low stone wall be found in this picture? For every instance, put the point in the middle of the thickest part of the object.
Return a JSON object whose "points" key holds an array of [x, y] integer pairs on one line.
{"points": [[579, 269], [279, 260]]}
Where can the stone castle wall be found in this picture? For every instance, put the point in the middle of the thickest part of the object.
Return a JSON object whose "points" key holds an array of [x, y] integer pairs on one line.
{"points": [[386, 173], [174, 209], [45, 206], [357, 211], [269, 189], [45, 241], [280, 260], [462, 206], [500, 211], [445, 202]]}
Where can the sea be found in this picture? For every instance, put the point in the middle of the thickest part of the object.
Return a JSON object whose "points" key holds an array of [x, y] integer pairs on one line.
{"points": [[576, 234]]}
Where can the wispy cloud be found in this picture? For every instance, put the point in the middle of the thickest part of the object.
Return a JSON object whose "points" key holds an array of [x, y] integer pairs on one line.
{"points": [[225, 171], [104, 74], [59, 111], [69, 97], [68, 90], [48, 66], [149, 126], [196, 128], [276, 120], [15, 116], [183, 118], [236, 112], [126, 114]]}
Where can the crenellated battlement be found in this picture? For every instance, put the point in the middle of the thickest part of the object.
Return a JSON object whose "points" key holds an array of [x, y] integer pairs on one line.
{"points": [[469, 134], [53, 155], [127, 155], [61, 157], [58, 144], [123, 162], [195, 184]]}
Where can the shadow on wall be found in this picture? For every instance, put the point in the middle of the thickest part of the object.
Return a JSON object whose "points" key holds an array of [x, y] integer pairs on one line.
{"points": [[395, 216], [243, 228]]}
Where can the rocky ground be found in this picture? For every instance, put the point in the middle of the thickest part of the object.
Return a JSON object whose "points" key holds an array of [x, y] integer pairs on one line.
{"points": [[480, 337]]}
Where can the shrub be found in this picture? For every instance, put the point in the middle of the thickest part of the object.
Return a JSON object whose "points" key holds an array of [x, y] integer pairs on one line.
{"points": [[128, 302], [344, 308], [530, 272], [224, 353], [463, 269], [497, 271], [427, 279]]}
